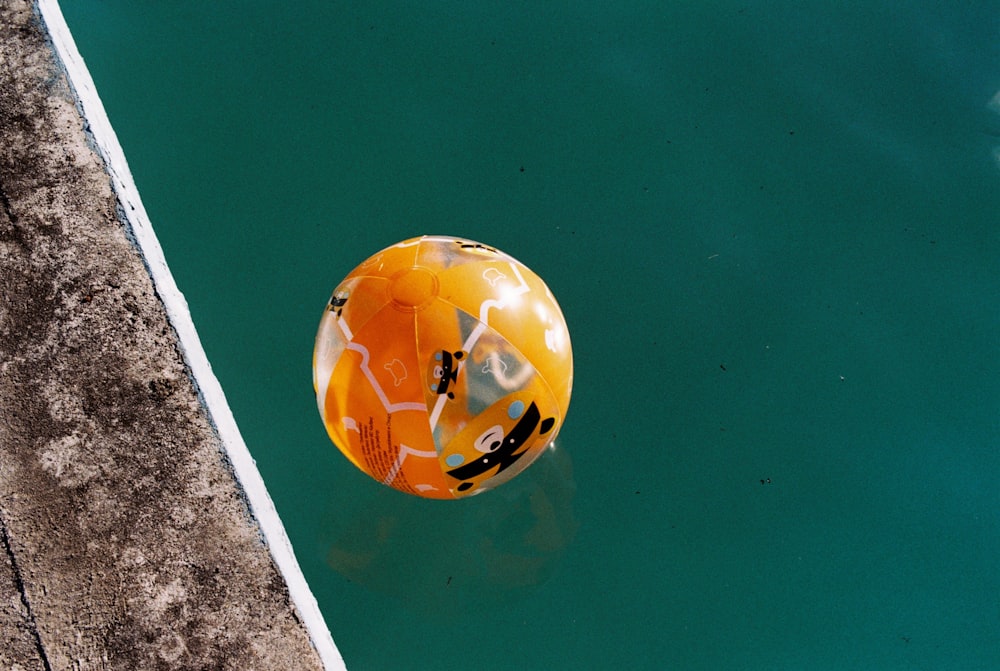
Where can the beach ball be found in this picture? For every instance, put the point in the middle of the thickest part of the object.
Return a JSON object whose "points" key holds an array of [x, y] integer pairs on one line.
{"points": [[442, 367]]}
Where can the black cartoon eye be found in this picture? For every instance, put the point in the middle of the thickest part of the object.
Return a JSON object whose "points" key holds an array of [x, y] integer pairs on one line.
{"points": [[490, 439]]}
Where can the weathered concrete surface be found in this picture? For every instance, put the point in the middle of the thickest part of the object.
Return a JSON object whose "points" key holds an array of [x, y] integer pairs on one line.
{"points": [[125, 543], [19, 644]]}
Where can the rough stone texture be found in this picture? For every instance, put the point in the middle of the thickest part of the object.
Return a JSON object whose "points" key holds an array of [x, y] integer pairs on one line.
{"points": [[126, 542], [19, 644]]}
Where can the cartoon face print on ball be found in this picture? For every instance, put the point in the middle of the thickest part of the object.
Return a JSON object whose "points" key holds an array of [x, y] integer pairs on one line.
{"points": [[484, 450], [444, 372], [337, 301]]}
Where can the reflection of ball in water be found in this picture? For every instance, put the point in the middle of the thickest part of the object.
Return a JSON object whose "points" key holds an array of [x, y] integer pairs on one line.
{"points": [[442, 367]]}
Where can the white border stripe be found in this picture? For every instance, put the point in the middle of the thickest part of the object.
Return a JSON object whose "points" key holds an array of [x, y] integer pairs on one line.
{"points": [[180, 318]]}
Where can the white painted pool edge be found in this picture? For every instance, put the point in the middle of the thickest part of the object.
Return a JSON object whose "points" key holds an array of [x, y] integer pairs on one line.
{"points": [[180, 318]]}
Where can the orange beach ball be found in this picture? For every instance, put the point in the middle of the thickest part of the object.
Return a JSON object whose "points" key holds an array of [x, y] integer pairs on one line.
{"points": [[442, 367]]}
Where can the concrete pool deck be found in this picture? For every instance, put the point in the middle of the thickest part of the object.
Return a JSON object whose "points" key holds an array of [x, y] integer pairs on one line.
{"points": [[126, 538]]}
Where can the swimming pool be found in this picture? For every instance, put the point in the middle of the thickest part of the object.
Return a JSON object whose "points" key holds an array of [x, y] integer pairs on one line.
{"points": [[774, 236]]}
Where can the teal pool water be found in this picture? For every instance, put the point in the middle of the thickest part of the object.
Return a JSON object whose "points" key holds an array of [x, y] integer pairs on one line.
{"points": [[774, 232]]}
